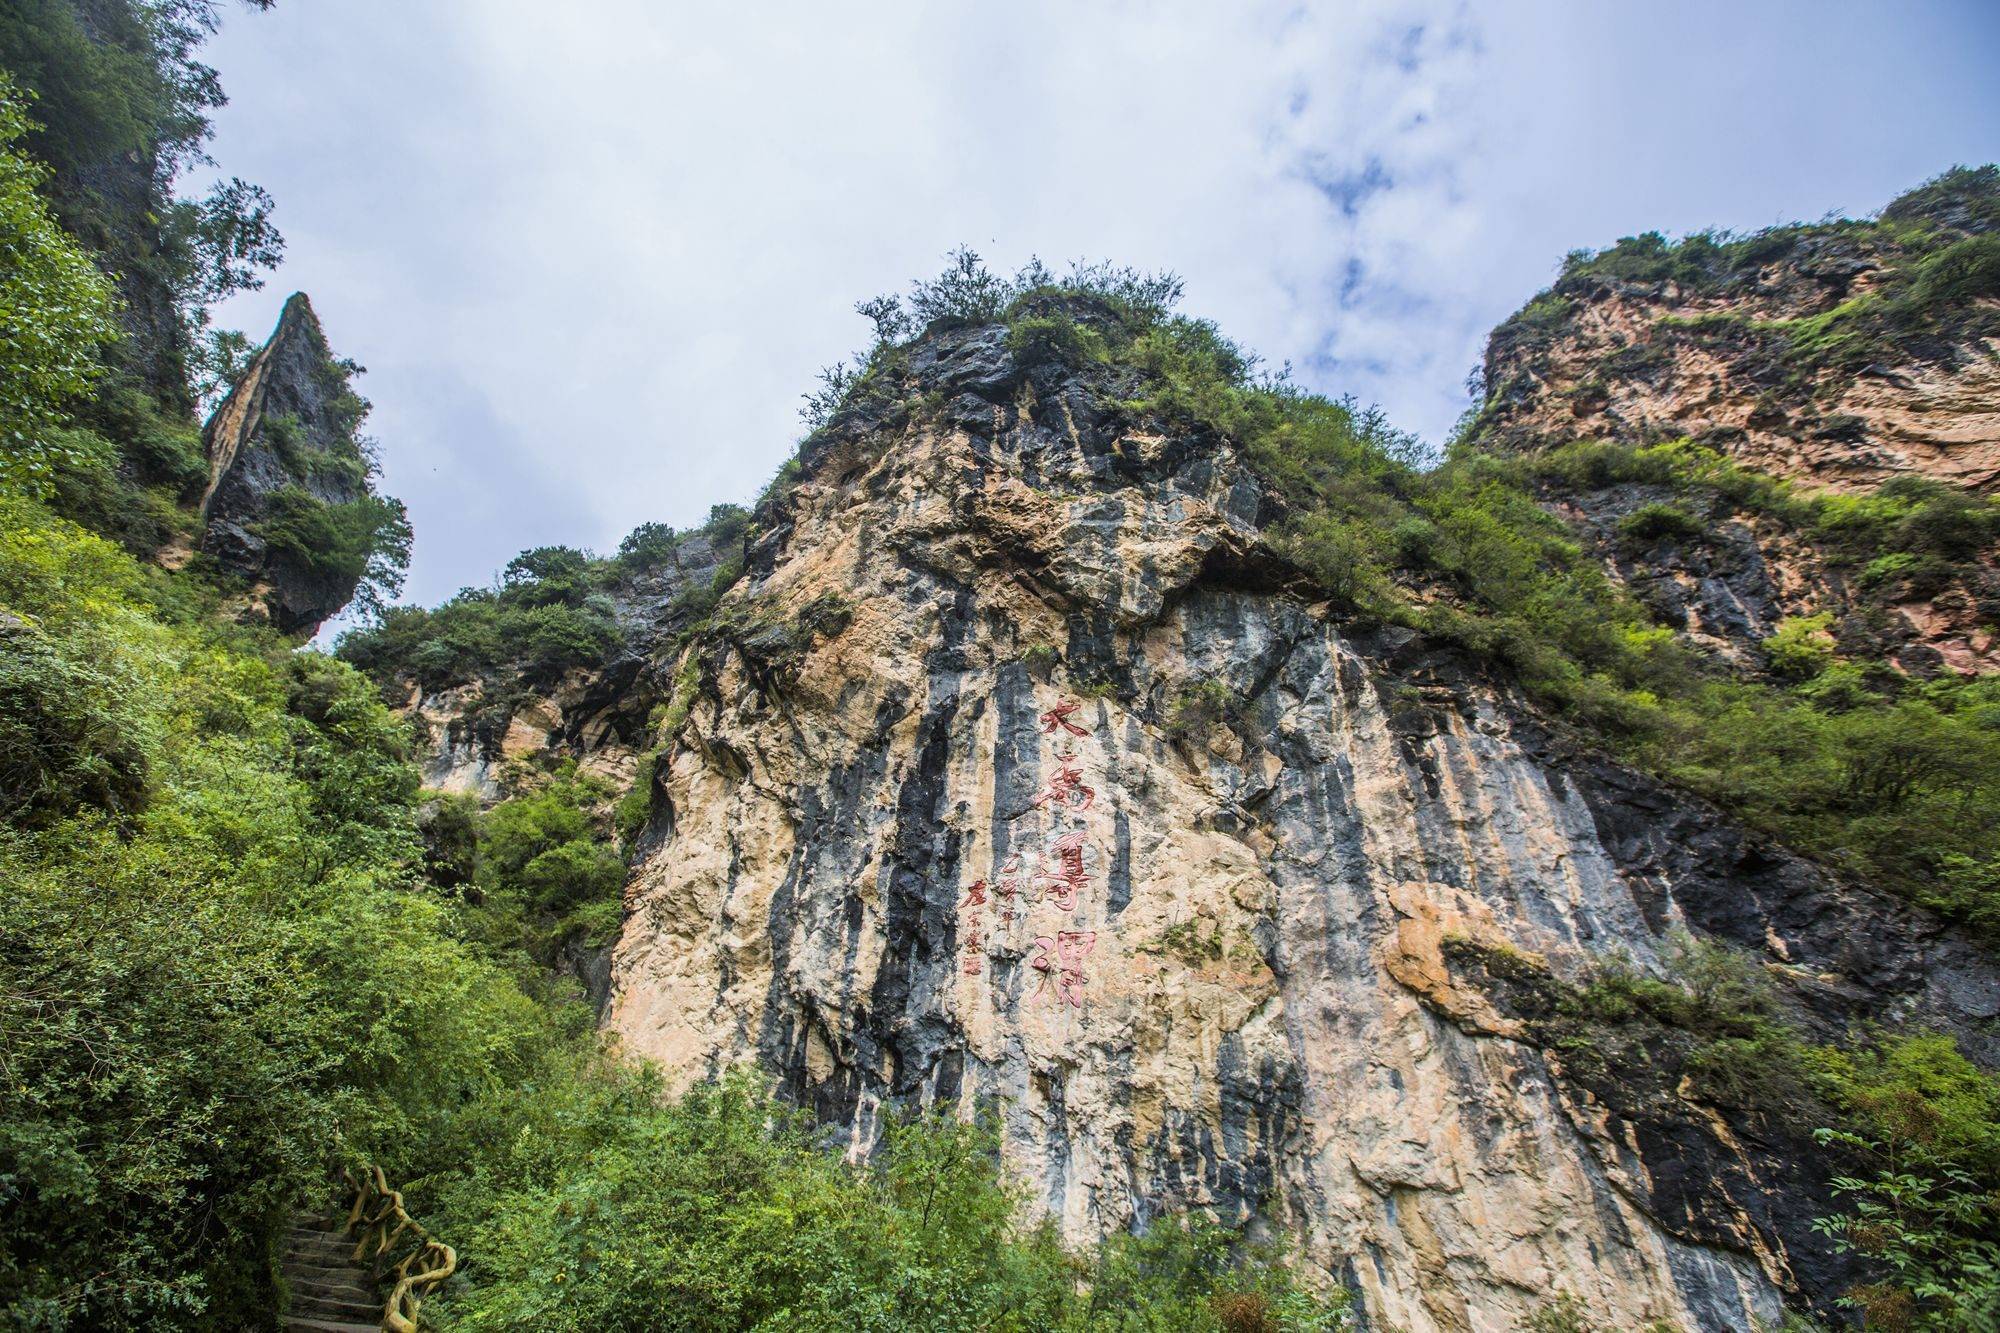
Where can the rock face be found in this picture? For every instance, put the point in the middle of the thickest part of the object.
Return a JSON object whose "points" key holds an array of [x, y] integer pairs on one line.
{"points": [[113, 199], [1719, 359], [287, 429], [1018, 778], [470, 731], [1804, 353]]}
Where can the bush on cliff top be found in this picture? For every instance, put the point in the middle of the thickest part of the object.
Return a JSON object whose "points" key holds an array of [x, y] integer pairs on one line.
{"points": [[550, 613]]}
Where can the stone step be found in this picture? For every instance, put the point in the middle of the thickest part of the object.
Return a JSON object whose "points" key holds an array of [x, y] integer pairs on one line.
{"points": [[341, 1247], [329, 1292], [321, 1253], [346, 1287], [324, 1272], [324, 1268], [325, 1307]]}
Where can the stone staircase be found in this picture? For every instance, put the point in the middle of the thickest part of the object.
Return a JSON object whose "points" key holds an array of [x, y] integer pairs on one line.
{"points": [[330, 1293]]}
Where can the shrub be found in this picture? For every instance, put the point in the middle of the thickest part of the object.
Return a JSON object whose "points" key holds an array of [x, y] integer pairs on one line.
{"points": [[1927, 1121], [69, 737], [1964, 271], [364, 541], [450, 828], [648, 546], [1801, 648], [1198, 709], [720, 1206], [1053, 338], [57, 311], [1658, 523]]}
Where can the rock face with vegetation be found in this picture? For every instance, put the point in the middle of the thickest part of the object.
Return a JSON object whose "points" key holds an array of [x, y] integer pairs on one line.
{"points": [[1854, 359], [1109, 840], [1842, 353], [1026, 772], [288, 506]]}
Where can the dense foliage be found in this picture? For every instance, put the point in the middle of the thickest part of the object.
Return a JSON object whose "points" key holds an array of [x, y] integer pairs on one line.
{"points": [[723, 1209], [122, 105], [56, 310], [555, 609]]}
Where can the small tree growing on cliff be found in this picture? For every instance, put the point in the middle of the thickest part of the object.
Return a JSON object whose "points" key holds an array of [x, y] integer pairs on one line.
{"points": [[967, 292]]}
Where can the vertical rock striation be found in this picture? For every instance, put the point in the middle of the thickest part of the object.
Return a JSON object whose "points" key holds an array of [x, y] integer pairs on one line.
{"points": [[1020, 778]]}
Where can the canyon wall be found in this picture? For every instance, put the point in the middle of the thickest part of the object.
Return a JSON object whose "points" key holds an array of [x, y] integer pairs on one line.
{"points": [[1020, 777]]}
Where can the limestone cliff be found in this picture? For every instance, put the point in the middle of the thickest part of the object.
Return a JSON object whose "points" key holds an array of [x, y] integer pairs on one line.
{"points": [[1839, 353], [1029, 768], [1843, 357], [1020, 775], [288, 507]]}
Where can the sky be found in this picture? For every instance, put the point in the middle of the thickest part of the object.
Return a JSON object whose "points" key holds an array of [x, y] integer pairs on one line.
{"points": [[593, 253]]}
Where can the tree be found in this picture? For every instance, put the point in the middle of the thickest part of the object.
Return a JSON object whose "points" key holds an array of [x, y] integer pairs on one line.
{"points": [[56, 310]]}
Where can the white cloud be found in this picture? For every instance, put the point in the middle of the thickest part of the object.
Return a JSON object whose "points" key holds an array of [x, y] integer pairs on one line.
{"points": [[594, 253]]}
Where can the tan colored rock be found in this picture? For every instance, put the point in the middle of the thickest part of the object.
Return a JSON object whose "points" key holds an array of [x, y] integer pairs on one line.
{"points": [[1181, 978]]}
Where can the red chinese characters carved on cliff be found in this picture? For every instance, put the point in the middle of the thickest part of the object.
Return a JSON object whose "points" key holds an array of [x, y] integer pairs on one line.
{"points": [[1063, 955], [1059, 717], [1067, 790], [1056, 876], [1061, 885]]}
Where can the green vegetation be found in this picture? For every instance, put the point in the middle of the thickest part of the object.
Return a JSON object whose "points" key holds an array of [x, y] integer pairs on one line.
{"points": [[215, 950], [1915, 1123], [1801, 648], [722, 1208], [548, 616], [1191, 943], [56, 311], [1656, 524], [123, 111], [552, 612], [1926, 1124], [546, 869], [363, 541], [1198, 709]]}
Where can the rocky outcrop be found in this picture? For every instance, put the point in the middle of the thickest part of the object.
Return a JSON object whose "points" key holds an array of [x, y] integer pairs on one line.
{"points": [[284, 438], [112, 196], [1020, 777], [1779, 352], [1733, 583], [470, 732], [1818, 354]]}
